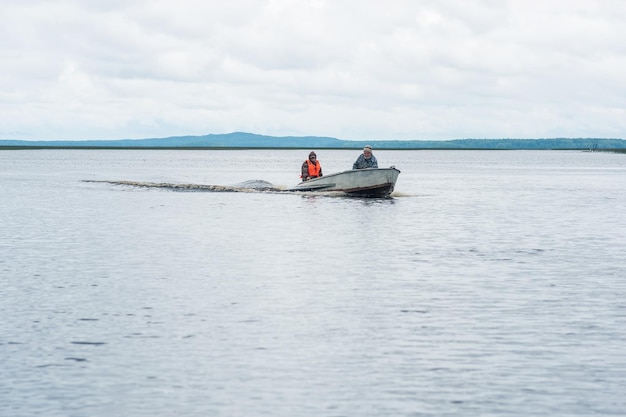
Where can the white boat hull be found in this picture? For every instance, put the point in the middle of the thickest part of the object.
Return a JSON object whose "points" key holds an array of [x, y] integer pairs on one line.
{"points": [[370, 182]]}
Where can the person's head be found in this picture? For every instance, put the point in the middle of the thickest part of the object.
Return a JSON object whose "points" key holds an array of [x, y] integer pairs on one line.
{"points": [[367, 151], [312, 156]]}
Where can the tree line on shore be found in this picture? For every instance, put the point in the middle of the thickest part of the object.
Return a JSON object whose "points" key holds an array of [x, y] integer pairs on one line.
{"points": [[250, 140]]}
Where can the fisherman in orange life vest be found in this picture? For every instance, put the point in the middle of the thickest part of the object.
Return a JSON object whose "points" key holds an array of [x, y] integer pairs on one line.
{"points": [[311, 168]]}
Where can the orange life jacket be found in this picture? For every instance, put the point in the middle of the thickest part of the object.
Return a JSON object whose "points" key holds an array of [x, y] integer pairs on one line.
{"points": [[314, 168]]}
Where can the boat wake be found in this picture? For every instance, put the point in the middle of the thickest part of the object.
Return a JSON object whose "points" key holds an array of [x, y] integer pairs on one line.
{"points": [[250, 186]]}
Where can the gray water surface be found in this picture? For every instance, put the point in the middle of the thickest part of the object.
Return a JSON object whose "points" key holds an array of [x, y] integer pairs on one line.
{"points": [[492, 283]]}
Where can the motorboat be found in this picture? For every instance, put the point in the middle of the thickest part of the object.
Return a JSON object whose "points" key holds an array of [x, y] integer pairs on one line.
{"points": [[368, 182]]}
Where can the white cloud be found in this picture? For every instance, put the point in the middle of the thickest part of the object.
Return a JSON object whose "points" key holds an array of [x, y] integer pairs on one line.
{"points": [[349, 69]]}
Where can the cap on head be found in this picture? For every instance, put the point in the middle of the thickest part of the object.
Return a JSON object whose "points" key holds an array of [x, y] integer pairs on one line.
{"points": [[368, 148]]}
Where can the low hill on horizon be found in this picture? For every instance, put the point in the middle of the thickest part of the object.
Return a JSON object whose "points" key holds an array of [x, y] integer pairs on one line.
{"points": [[254, 141]]}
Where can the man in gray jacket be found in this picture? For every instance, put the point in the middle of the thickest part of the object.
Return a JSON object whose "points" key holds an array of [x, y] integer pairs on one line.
{"points": [[366, 159]]}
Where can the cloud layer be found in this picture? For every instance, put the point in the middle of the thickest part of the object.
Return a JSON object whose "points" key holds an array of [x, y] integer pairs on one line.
{"points": [[439, 69]]}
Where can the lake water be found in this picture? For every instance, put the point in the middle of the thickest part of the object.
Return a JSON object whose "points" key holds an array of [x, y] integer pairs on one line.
{"points": [[493, 283]]}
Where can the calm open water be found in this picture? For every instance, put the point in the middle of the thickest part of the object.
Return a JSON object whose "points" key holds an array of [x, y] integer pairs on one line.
{"points": [[493, 283]]}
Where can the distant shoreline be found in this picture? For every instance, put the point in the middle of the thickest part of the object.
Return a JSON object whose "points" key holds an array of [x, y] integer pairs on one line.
{"points": [[239, 148], [243, 140]]}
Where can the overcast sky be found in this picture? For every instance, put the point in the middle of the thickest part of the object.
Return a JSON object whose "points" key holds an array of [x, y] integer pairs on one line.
{"points": [[353, 69]]}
